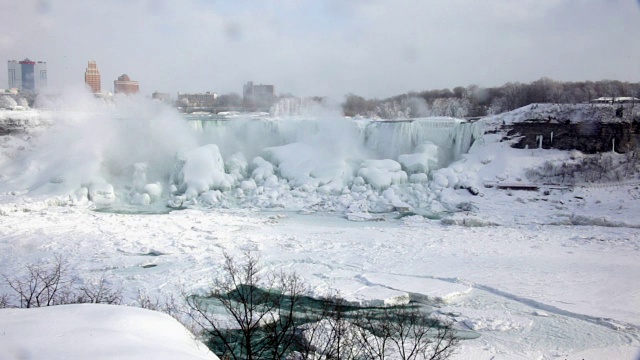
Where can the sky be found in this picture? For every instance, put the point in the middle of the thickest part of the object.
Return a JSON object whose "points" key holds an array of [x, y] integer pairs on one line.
{"points": [[373, 48]]}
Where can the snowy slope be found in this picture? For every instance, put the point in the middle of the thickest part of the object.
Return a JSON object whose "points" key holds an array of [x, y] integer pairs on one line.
{"points": [[91, 331]]}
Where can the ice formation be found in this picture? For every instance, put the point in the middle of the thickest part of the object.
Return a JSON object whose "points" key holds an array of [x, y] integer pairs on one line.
{"points": [[138, 152]]}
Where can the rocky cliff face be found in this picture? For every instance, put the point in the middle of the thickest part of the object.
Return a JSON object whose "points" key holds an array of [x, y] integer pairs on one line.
{"points": [[593, 137], [607, 128]]}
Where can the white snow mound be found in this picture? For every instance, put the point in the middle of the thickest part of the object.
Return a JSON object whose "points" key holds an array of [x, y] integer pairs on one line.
{"points": [[90, 331]]}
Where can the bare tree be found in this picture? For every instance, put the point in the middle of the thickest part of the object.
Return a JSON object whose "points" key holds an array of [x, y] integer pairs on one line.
{"points": [[42, 285], [406, 333], [99, 292], [278, 322], [263, 316]]}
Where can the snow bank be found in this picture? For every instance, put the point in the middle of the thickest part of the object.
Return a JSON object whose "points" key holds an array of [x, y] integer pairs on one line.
{"points": [[91, 331]]}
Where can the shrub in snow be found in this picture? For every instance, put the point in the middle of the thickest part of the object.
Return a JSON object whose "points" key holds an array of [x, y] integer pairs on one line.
{"points": [[50, 283]]}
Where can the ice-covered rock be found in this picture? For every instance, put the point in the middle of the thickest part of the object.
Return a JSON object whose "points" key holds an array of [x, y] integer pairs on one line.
{"points": [[141, 199], [423, 159], [199, 170], [419, 178], [153, 190], [381, 174], [139, 176], [237, 166], [210, 197], [248, 185], [101, 193], [261, 170]]}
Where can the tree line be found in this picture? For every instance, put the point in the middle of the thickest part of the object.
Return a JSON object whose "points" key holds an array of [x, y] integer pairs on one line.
{"points": [[474, 100]]}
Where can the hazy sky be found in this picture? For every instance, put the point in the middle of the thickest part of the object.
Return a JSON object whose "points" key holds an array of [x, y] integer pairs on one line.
{"points": [[373, 48]]}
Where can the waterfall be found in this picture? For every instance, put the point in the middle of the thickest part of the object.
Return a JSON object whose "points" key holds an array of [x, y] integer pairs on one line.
{"points": [[353, 138]]}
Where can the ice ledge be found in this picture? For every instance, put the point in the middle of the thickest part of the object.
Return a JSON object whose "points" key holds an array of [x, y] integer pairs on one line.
{"points": [[419, 288]]}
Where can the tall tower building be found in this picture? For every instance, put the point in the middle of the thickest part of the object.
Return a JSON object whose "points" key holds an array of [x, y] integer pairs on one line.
{"points": [[124, 85], [92, 77], [27, 75]]}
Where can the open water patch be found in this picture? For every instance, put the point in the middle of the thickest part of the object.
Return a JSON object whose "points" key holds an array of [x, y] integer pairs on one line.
{"points": [[125, 209]]}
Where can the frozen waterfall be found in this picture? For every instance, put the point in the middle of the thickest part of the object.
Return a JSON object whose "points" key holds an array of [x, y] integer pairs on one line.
{"points": [[143, 153]]}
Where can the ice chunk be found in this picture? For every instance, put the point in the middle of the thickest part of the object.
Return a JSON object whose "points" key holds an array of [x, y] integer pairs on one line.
{"points": [[101, 193], [419, 178], [153, 190], [262, 169], [423, 159], [237, 166], [420, 288], [199, 170], [382, 173], [139, 176], [248, 185], [210, 197], [141, 199], [377, 296]]}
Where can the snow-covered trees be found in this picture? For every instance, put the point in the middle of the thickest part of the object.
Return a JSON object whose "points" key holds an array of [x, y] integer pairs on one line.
{"points": [[477, 101]]}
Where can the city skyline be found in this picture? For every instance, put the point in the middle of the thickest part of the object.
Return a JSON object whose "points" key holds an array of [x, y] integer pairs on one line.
{"points": [[374, 48]]}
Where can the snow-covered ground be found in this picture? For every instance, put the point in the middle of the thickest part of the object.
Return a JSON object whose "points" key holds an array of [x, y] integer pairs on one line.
{"points": [[537, 274], [95, 332]]}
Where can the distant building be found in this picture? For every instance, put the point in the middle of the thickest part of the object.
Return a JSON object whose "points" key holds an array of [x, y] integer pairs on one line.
{"points": [[92, 77], [161, 96], [258, 96], [207, 99], [124, 85], [27, 75]]}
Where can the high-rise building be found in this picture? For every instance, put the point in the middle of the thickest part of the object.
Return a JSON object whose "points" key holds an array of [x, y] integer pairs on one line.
{"points": [[92, 77], [124, 85], [27, 75]]}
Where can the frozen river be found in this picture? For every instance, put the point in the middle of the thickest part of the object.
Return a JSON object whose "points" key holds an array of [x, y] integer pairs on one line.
{"points": [[530, 291]]}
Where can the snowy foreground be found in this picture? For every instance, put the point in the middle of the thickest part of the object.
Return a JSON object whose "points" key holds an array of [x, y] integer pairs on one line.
{"points": [[95, 332], [546, 274], [530, 291]]}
